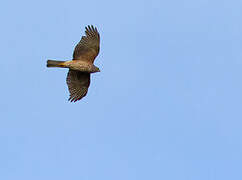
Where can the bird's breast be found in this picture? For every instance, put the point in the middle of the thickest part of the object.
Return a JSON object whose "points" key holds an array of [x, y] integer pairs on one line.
{"points": [[80, 66]]}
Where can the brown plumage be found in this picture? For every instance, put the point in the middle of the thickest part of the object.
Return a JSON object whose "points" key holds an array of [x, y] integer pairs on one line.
{"points": [[81, 66]]}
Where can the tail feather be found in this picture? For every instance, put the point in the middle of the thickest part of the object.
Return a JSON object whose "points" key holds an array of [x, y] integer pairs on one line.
{"points": [[53, 63]]}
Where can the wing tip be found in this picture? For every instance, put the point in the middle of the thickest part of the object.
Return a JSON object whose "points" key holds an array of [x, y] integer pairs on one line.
{"points": [[73, 99], [91, 28]]}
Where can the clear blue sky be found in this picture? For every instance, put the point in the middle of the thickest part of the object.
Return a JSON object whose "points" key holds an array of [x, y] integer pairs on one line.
{"points": [[166, 105]]}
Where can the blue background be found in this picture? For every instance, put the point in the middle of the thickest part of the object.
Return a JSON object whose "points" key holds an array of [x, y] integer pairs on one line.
{"points": [[166, 105]]}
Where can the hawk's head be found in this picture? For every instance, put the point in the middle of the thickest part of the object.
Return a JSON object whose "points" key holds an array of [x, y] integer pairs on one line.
{"points": [[95, 69]]}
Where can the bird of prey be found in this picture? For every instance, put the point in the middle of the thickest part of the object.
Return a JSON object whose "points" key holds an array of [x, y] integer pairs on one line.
{"points": [[81, 66]]}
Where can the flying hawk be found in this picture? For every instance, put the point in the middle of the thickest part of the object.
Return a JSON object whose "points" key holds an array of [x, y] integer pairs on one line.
{"points": [[81, 66]]}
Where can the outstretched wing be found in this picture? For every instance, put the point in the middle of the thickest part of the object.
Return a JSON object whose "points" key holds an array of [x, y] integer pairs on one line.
{"points": [[78, 83], [88, 47]]}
